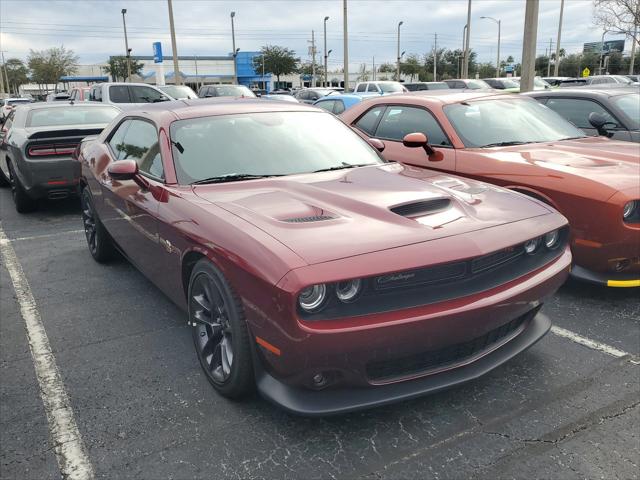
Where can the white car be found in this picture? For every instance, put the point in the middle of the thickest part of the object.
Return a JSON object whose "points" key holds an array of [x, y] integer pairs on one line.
{"points": [[379, 88], [127, 95], [8, 104]]}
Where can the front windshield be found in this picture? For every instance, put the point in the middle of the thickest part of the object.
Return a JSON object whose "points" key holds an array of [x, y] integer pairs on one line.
{"points": [[233, 91], [178, 91], [502, 121], [630, 106], [477, 84], [391, 87], [271, 143]]}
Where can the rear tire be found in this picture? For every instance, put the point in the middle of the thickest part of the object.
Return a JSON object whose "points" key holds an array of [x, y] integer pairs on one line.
{"points": [[98, 239], [220, 333], [23, 202], [4, 181]]}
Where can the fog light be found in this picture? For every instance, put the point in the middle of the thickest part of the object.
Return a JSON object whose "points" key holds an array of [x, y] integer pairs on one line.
{"points": [[312, 298], [531, 245], [552, 239], [349, 290]]}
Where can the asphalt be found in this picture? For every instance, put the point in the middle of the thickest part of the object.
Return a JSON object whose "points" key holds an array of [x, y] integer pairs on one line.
{"points": [[144, 410]]}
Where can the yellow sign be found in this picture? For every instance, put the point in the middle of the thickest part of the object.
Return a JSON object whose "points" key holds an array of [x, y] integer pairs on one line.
{"points": [[586, 72]]}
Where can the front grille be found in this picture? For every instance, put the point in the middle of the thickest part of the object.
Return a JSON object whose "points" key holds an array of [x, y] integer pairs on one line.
{"points": [[423, 362], [495, 259]]}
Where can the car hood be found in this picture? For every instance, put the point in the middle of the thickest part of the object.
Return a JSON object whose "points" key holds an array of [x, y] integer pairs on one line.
{"points": [[332, 215], [605, 166]]}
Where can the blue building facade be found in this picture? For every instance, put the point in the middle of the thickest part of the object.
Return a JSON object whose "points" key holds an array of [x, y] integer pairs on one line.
{"points": [[248, 76]]}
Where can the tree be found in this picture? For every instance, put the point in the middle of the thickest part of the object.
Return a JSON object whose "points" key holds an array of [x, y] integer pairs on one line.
{"points": [[411, 66], [277, 61], [117, 67], [363, 74], [17, 72], [47, 66], [386, 68], [618, 16]]}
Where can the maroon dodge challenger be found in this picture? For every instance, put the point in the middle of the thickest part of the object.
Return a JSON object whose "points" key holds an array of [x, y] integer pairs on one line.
{"points": [[309, 266]]}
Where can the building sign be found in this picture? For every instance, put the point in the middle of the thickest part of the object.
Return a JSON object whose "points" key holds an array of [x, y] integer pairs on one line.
{"points": [[609, 47], [157, 52]]}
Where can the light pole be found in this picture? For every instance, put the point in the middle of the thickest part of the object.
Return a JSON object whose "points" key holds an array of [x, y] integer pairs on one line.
{"points": [[398, 66], [325, 51], [465, 66], [556, 67], [346, 46], [602, 52], [126, 45], [464, 43], [498, 60], [325, 68], [235, 52], [174, 47]]}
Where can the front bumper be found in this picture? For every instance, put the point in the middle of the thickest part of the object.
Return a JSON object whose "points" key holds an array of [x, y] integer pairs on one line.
{"points": [[307, 402], [607, 279]]}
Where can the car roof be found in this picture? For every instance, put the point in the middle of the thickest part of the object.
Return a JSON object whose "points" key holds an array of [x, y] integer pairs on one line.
{"points": [[339, 96], [442, 97], [586, 92], [39, 105], [205, 107]]}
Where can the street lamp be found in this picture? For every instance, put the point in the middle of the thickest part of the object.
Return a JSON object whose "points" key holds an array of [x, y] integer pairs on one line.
{"points": [[325, 51], [498, 60], [325, 70], [602, 52], [398, 67], [126, 45], [235, 52]]}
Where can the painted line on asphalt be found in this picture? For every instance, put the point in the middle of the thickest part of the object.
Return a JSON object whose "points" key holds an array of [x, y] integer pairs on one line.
{"points": [[592, 344], [70, 450], [38, 237]]}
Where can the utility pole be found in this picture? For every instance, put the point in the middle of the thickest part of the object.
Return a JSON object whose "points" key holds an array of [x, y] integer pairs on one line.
{"points": [[313, 58], [602, 53], [556, 67], [435, 57], [529, 45], [398, 65], [634, 40], [549, 59], [235, 52], [346, 46], [373, 68], [195, 57], [465, 66], [326, 55], [2, 80], [6, 74], [174, 47], [126, 46]]}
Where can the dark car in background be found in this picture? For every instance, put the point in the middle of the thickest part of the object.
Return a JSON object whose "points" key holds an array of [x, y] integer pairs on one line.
{"points": [[221, 90], [421, 86], [37, 144], [614, 113], [468, 83], [310, 95]]}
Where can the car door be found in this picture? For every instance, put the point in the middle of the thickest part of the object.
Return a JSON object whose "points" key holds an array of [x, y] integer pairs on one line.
{"points": [[577, 111], [130, 209], [399, 120]]}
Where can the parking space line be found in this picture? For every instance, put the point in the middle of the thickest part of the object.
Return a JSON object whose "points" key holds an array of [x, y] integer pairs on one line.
{"points": [[592, 344], [70, 450], [38, 237]]}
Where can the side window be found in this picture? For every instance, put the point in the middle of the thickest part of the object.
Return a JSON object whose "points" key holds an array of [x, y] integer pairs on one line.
{"points": [[362, 87], [119, 94], [327, 105], [461, 85], [141, 94], [314, 96], [399, 121], [141, 144], [372, 88], [577, 110], [116, 142], [369, 120], [96, 94], [338, 107]]}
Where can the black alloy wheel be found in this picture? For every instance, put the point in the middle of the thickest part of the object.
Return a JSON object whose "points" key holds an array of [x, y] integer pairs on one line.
{"points": [[23, 202], [98, 240], [220, 333]]}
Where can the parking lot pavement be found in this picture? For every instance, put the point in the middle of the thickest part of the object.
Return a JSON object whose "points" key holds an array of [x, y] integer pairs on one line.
{"points": [[144, 410]]}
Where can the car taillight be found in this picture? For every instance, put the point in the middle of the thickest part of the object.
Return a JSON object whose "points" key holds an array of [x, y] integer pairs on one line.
{"points": [[51, 150]]}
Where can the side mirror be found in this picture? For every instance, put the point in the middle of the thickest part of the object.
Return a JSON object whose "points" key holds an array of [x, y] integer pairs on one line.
{"points": [[600, 123], [418, 140], [123, 170], [377, 144]]}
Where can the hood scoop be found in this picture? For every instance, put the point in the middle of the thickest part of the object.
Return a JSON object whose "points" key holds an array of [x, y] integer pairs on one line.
{"points": [[421, 208], [314, 218]]}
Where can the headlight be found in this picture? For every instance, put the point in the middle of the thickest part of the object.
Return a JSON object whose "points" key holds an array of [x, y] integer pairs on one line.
{"points": [[629, 209], [531, 245], [312, 298], [552, 239], [348, 291]]}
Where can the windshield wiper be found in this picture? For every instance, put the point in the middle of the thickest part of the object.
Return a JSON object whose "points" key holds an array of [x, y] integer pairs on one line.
{"points": [[342, 167], [232, 177], [504, 144]]}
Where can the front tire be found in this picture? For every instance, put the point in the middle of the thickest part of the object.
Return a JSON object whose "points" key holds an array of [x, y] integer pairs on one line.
{"points": [[98, 240], [23, 202], [220, 333]]}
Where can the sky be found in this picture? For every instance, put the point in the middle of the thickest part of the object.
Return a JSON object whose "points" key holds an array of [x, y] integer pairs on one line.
{"points": [[93, 28]]}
